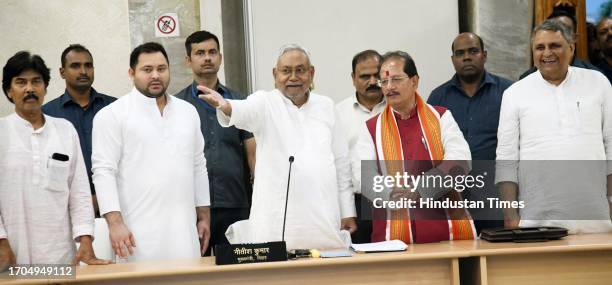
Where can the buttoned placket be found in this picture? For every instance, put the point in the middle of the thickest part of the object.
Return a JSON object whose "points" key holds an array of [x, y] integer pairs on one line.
{"points": [[567, 110], [35, 140], [165, 120]]}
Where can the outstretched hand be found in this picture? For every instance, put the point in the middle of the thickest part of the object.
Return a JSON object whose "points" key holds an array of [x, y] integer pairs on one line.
{"points": [[211, 97]]}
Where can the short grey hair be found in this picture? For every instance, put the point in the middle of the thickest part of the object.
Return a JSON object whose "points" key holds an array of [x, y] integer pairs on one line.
{"points": [[554, 26], [291, 47]]}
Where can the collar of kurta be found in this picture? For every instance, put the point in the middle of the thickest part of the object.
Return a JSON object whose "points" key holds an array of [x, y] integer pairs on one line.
{"points": [[289, 102], [568, 75], [148, 100], [25, 125]]}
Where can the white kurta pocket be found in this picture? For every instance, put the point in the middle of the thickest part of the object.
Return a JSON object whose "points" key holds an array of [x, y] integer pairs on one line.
{"points": [[57, 175]]}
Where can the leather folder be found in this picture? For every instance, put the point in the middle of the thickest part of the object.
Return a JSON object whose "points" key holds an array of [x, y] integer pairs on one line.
{"points": [[531, 234]]}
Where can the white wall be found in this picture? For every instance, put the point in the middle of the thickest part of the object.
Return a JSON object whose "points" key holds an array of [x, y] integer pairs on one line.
{"points": [[210, 20], [334, 31], [48, 27]]}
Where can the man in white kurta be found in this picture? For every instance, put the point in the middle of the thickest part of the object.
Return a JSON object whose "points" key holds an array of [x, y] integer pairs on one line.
{"points": [[45, 202], [150, 167], [54, 201], [564, 114], [352, 112], [319, 193]]}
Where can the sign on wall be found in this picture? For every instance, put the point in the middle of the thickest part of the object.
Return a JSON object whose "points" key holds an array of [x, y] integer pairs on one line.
{"points": [[167, 25], [145, 15]]}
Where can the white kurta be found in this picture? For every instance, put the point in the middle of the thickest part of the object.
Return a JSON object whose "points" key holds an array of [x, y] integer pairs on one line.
{"points": [[319, 194], [543, 122], [351, 118], [45, 204], [152, 169]]}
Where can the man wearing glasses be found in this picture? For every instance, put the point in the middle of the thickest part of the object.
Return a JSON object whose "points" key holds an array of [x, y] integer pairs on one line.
{"points": [[423, 139], [474, 96], [291, 123]]}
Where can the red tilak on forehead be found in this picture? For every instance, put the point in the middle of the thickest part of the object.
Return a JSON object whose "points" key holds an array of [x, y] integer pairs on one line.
{"points": [[387, 72]]}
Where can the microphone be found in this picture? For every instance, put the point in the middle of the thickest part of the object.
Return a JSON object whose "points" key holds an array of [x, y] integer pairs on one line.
{"points": [[291, 159]]}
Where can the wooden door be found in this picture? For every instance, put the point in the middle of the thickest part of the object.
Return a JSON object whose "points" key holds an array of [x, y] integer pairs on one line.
{"points": [[545, 7]]}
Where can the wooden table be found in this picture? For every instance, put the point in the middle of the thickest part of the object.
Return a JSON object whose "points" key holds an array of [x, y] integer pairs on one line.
{"points": [[577, 259], [585, 259]]}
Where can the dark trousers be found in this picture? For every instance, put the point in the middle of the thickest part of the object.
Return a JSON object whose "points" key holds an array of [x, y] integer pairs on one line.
{"points": [[220, 220], [364, 220]]}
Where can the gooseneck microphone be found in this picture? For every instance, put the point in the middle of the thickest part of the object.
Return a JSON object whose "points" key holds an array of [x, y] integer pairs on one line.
{"points": [[291, 159], [255, 252]]}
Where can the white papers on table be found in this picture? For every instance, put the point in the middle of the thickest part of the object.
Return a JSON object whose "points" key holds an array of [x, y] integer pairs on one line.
{"points": [[383, 246]]}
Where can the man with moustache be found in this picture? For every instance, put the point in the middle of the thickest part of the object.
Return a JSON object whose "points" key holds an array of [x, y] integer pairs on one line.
{"points": [[80, 102], [604, 39], [149, 167], [352, 113], [291, 121], [411, 136], [45, 202], [474, 97], [559, 113], [227, 149]]}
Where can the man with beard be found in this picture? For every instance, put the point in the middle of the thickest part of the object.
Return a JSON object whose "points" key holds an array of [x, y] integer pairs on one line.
{"points": [[291, 124], [352, 113], [604, 39], [559, 113], [474, 97], [45, 202], [149, 167], [80, 102], [227, 149]]}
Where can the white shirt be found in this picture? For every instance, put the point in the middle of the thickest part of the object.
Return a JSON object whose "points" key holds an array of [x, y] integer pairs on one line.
{"points": [[351, 118], [45, 204], [152, 169], [319, 195], [571, 121]]}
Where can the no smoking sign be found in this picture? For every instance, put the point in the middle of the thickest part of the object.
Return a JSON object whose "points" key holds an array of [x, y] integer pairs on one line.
{"points": [[167, 25]]}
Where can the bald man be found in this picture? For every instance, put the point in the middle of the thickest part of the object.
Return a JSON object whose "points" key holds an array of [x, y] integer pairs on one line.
{"points": [[474, 97]]}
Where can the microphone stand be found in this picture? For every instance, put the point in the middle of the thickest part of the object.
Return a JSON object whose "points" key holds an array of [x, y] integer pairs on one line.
{"points": [[291, 158]]}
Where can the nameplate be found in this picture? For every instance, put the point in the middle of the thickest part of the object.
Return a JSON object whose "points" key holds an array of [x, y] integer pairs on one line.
{"points": [[250, 253]]}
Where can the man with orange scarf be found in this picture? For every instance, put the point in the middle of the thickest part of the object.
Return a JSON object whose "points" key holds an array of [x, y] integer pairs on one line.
{"points": [[413, 137]]}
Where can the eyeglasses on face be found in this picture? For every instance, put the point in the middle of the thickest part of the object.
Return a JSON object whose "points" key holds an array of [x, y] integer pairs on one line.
{"points": [[299, 71], [394, 80]]}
